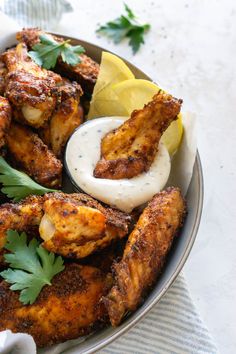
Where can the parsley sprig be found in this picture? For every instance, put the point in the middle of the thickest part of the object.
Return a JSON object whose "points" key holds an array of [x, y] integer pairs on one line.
{"points": [[46, 52], [31, 266], [126, 26], [18, 185]]}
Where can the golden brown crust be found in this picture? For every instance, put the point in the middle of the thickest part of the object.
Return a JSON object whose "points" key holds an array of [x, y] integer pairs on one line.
{"points": [[5, 120], [29, 87], [67, 309], [3, 72], [130, 149], [145, 253], [28, 151], [75, 225], [85, 73]]}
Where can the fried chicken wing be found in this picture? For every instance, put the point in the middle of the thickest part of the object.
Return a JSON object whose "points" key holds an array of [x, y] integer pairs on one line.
{"points": [[130, 149], [76, 229], [67, 116], [29, 153], [5, 120], [67, 309], [29, 88], [145, 253], [23, 216], [85, 73]]}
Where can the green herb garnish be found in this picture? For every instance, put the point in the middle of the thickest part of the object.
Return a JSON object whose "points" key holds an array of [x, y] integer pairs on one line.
{"points": [[126, 26], [48, 50], [31, 266], [18, 185]]}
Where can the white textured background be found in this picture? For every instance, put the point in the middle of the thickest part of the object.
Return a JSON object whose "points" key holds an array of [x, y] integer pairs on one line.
{"points": [[191, 51]]}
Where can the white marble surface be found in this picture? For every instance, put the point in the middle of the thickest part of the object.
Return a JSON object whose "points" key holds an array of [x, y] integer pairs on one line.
{"points": [[191, 51]]}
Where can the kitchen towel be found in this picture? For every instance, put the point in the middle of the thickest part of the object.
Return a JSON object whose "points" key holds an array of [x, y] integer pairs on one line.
{"points": [[173, 325]]}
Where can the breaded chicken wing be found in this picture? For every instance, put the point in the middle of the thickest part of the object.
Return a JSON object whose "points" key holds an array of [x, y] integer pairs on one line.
{"points": [[29, 88], [76, 229], [145, 253], [28, 151], [5, 120], [130, 149], [67, 309], [85, 73]]}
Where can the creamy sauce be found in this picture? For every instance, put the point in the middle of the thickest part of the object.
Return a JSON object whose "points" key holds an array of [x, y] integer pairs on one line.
{"points": [[82, 154]]}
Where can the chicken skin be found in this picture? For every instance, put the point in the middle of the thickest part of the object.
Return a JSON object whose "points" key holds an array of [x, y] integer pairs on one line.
{"points": [[67, 309], [130, 149], [145, 253], [5, 120], [75, 230], [29, 88], [85, 73], [28, 152]]}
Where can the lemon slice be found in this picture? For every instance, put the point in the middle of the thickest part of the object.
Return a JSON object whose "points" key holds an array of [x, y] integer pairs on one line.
{"points": [[104, 102], [134, 94]]}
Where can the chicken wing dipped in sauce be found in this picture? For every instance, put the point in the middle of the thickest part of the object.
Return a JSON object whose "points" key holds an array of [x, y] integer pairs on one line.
{"points": [[28, 151], [130, 149], [29, 88], [145, 253], [5, 120], [67, 309], [68, 115], [85, 73], [75, 225]]}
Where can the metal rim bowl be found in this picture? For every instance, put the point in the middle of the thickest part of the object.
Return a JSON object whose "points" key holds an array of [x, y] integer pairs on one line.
{"points": [[181, 247]]}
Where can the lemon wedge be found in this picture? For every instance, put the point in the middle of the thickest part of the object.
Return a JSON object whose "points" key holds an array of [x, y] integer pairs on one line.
{"points": [[134, 94], [104, 102]]}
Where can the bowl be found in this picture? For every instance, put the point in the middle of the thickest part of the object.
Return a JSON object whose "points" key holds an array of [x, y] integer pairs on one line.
{"points": [[182, 244]]}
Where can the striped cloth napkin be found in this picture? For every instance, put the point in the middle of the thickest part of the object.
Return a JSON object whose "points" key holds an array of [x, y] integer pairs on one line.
{"points": [[173, 326]]}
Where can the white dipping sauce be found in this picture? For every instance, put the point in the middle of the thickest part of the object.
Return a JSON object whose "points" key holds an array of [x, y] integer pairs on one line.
{"points": [[82, 154]]}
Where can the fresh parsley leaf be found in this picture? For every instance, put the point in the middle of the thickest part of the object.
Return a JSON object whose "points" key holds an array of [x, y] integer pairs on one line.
{"points": [[48, 50], [31, 266], [126, 26], [18, 185]]}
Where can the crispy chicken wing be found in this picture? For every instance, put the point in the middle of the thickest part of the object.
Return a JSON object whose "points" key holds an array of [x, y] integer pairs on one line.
{"points": [[5, 120], [76, 229], [67, 116], [67, 309], [85, 73], [130, 149], [29, 88], [23, 216], [29, 152], [145, 253]]}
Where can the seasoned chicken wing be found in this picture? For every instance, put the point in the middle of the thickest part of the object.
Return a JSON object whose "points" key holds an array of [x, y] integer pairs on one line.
{"points": [[130, 149], [29, 153], [23, 216], [145, 253], [85, 73], [76, 229], [5, 120], [67, 309], [29, 88], [67, 116]]}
